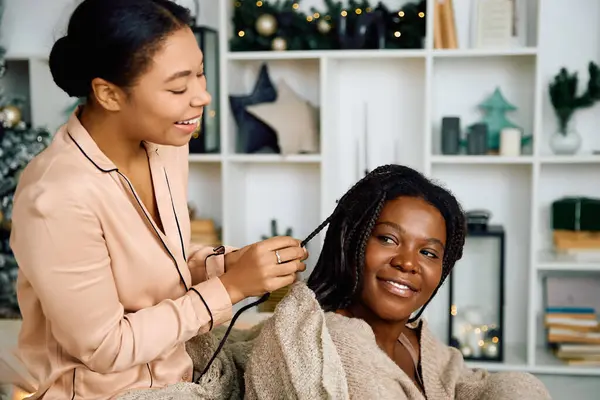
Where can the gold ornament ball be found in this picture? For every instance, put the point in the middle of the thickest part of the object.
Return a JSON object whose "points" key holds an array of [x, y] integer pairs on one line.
{"points": [[323, 26], [11, 115], [266, 25], [279, 44]]}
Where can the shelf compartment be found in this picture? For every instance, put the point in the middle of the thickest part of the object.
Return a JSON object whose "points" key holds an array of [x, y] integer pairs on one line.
{"points": [[258, 193], [573, 49], [375, 117], [556, 181], [205, 191], [513, 76], [505, 190], [302, 77], [545, 362]]}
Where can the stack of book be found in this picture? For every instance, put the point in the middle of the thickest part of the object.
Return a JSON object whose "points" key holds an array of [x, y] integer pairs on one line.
{"points": [[574, 334]]}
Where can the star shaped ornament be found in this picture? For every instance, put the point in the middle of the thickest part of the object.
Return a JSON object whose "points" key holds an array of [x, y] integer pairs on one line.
{"points": [[253, 135], [293, 118]]}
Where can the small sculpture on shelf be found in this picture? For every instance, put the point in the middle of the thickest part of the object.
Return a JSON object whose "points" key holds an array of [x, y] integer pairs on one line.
{"points": [[495, 108], [253, 135], [275, 231], [293, 118], [451, 135]]}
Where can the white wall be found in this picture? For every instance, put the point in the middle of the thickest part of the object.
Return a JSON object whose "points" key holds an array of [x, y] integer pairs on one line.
{"points": [[31, 26]]}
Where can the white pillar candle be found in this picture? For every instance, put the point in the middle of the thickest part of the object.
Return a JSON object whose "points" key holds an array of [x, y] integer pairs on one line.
{"points": [[510, 142]]}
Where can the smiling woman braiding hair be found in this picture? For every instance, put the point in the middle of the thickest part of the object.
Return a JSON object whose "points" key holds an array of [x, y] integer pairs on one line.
{"points": [[110, 287]]}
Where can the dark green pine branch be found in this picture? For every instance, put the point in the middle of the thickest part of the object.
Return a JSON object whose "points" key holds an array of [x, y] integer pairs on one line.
{"points": [[323, 28]]}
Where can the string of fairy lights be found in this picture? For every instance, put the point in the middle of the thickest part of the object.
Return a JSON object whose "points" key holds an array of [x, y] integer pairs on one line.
{"points": [[260, 25]]}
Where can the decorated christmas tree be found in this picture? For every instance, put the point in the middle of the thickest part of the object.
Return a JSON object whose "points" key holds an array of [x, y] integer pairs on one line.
{"points": [[19, 143], [495, 107]]}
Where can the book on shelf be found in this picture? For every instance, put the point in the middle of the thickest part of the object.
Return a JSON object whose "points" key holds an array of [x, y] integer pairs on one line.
{"points": [[579, 354], [573, 333], [444, 25]]}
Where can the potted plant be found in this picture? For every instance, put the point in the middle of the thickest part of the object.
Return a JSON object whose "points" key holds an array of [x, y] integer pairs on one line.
{"points": [[565, 101]]}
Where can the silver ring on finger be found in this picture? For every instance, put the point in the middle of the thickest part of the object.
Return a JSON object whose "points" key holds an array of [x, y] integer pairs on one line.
{"points": [[278, 256]]}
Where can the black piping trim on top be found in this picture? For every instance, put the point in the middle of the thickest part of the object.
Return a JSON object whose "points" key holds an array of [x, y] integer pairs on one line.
{"points": [[175, 215], [205, 305], [141, 207], [155, 230], [88, 157], [217, 251]]}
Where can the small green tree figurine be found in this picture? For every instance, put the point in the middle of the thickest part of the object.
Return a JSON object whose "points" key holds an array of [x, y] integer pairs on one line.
{"points": [[495, 107], [563, 94], [274, 231]]}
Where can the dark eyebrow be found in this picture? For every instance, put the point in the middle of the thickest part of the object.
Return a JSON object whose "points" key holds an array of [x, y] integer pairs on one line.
{"points": [[399, 229], [182, 74], [177, 75]]}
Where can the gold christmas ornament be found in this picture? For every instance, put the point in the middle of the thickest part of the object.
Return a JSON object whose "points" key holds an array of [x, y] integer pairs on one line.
{"points": [[266, 25], [279, 44], [323, 26], [11, 116]]}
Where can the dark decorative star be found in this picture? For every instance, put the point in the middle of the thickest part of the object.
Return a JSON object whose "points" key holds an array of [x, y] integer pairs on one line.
{"points": [[253, 135]]}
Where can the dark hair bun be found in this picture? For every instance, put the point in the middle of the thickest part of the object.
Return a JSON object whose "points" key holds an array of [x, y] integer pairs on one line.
{"points": [[66, 70], [112, 39]]}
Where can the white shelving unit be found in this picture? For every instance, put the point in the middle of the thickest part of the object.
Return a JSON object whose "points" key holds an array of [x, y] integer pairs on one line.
{"points": [[404, 94]]}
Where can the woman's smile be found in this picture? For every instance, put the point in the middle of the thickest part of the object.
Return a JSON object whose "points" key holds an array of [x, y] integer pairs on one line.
{"points": [[398, 288]]}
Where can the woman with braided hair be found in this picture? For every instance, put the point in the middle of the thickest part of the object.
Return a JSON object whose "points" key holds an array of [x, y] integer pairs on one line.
{"points": [[392, 241], [355, 331]]}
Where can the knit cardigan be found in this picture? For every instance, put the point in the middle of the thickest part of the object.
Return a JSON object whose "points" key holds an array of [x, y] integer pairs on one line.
{"points": [[304, 353]]}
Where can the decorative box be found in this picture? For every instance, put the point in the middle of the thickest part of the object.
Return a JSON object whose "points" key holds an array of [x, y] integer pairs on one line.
{"points": [[576, 214]]}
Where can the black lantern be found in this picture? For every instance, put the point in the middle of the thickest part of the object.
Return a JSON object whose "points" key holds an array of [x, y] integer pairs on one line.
{"points": [[207, 138], [476, 323]]}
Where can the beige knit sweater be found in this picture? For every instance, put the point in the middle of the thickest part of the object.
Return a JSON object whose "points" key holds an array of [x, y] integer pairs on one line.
{"points": [[303, 353]]}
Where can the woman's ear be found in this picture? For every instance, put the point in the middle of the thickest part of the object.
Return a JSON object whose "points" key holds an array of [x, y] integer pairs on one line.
{"points": [[107, 95]]}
